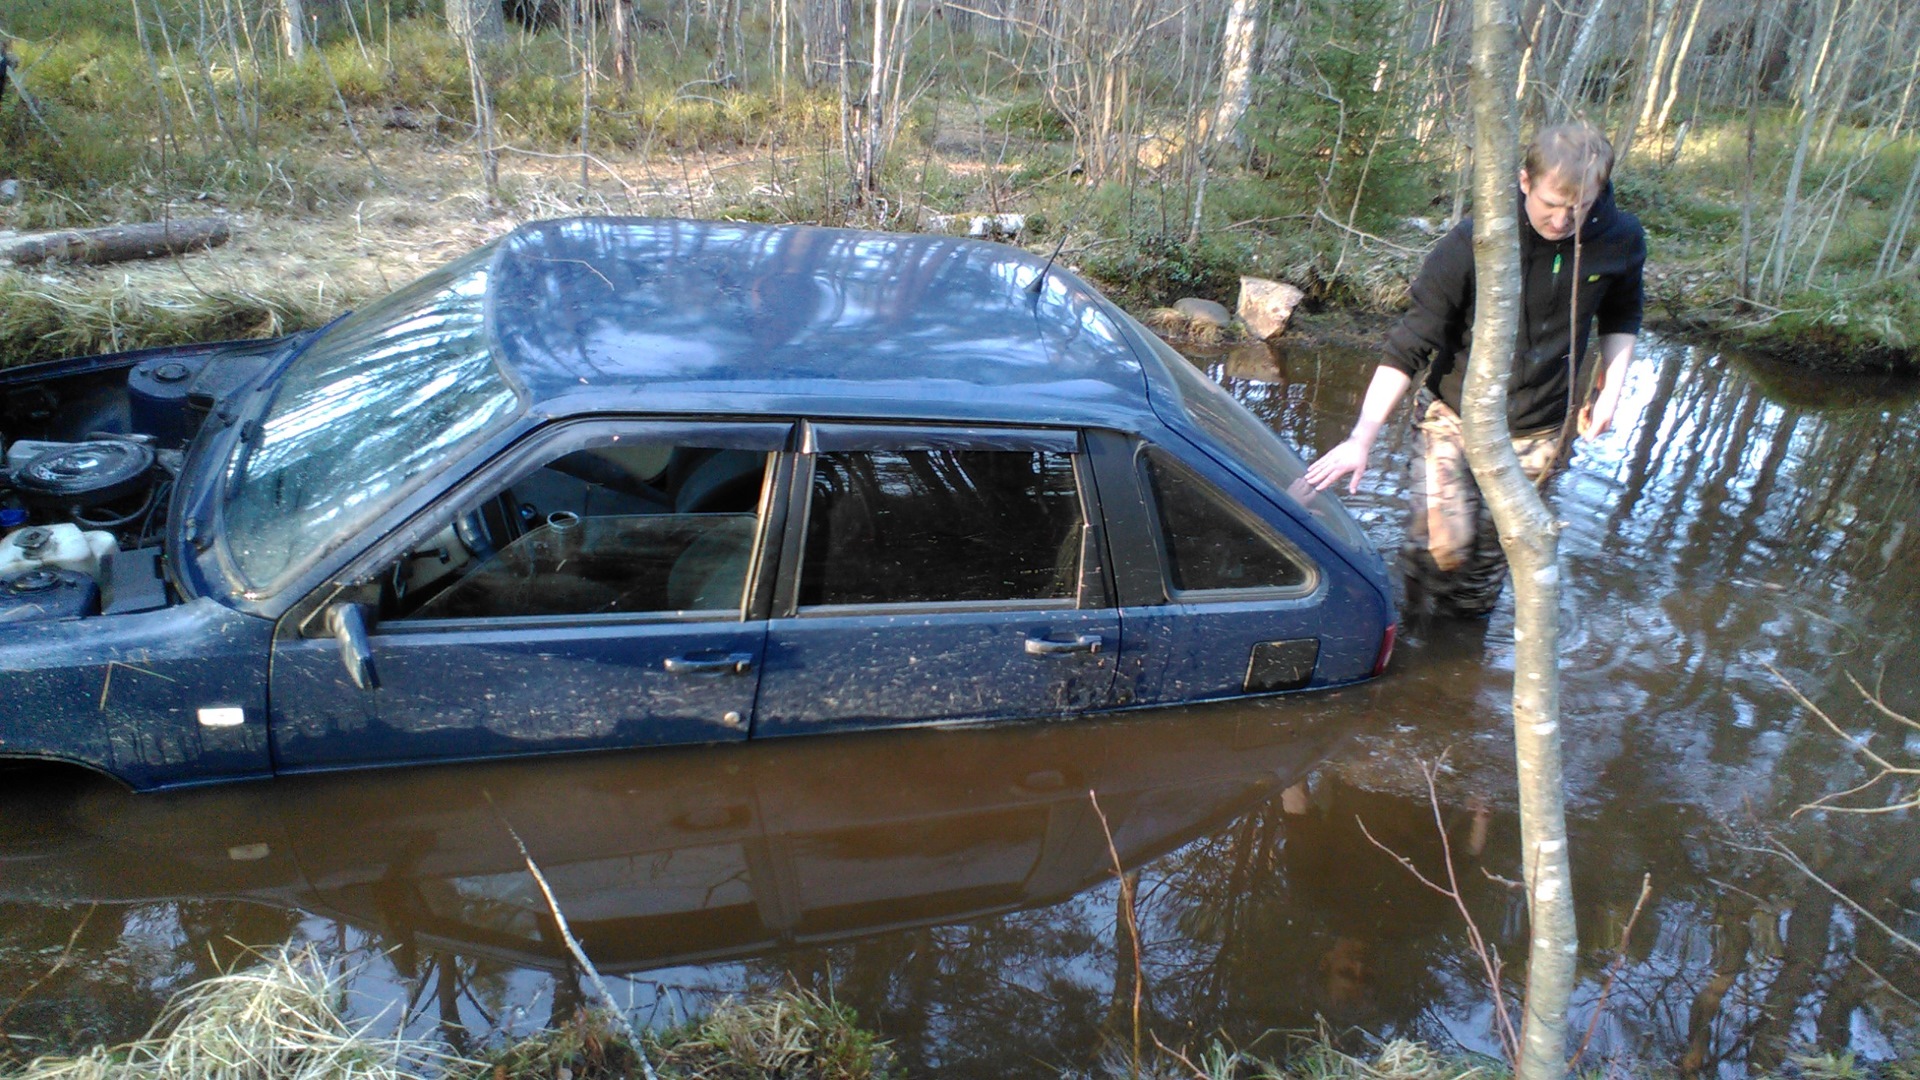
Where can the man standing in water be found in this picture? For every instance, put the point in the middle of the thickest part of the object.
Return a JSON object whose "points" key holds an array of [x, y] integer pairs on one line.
{"points": [[1570, 278]]}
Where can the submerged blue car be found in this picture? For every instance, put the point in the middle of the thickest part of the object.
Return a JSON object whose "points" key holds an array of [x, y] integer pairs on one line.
{"points": [[616, 482]]}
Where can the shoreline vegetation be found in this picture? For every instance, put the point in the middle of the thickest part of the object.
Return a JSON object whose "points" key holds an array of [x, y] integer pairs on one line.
{"points": [[1778, 187], [282, 1018]]}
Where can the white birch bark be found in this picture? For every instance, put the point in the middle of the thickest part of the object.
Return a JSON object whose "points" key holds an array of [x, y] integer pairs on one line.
{"points": [[477, 22], [1573, 75], [1676, 67], [1236, 71], [1530, 538], [293, 27], [1778, 253], [1663, 44]]}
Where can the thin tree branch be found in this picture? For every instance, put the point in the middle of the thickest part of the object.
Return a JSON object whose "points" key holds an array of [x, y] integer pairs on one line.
{"points": [[1774, 847], [573, 944], [1613, 971]]}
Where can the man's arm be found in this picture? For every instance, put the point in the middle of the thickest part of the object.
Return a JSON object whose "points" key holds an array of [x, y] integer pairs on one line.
{"points": [[1439, 299], [1350, 457], [1616, 351]]}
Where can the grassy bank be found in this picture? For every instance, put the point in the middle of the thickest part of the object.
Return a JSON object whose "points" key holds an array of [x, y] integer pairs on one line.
{"points": [[358, 165], [282, 1020]]}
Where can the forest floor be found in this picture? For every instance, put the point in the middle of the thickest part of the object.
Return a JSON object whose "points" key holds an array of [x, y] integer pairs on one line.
{"points": [[396, 200]]}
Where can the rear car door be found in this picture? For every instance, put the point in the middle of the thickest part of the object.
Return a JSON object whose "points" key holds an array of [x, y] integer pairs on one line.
{"points": [[597, 590], [1220, 598], [935, 574]]}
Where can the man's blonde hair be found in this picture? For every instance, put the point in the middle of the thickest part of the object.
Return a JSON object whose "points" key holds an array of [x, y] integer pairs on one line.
{"points": [[1577, 152]]}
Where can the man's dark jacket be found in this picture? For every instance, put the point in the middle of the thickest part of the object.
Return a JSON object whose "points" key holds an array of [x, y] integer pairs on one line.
{"points": [[1436, 330]]}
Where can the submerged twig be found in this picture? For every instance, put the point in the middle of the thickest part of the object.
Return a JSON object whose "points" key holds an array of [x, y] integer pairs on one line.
{"points": [[1775, 847], [1613, 971], [66, 954], [1887, 768], [1129, 921], [573, 944]]}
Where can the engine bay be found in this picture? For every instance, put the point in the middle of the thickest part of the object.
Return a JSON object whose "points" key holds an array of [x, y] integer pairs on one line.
{"points": [[90, 452]]}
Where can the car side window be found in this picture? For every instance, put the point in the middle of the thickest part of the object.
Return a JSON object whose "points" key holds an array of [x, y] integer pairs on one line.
{"points": [[1210, 542], [623, 526], [941, 526]]}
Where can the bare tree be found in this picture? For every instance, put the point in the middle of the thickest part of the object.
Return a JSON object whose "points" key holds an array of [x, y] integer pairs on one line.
{"points": [[1675, 68], [1573, 72], [1531, 540]]}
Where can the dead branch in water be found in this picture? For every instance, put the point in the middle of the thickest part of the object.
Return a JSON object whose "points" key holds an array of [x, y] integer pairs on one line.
{"points": [[573, 944], [1888, 769], [66, 954], [1776, 848], [1131, 923], [1613, 971]]}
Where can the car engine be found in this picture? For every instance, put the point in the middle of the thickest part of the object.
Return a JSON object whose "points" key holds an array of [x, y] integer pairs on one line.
{"points": [[71, 511], [89, 455]]}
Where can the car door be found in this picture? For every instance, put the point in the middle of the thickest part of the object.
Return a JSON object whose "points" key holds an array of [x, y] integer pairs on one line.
{"points": [[1220, 599], [597, 589], [935, 574]]}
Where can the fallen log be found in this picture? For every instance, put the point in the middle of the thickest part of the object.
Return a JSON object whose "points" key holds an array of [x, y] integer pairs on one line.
{"points": [[117, 243]]}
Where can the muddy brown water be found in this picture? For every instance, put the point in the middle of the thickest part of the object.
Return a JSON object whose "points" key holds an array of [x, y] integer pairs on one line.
{"points": [[956, 887]]}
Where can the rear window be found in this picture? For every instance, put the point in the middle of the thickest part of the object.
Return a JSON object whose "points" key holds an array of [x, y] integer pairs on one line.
{"points": [[1254, 443], [1212, 545]]}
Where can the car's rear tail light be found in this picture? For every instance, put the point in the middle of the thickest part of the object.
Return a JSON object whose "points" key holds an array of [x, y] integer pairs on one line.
{"points": [[1386, 648]]}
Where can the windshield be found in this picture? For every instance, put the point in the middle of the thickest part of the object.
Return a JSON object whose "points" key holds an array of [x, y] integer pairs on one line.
{"points": [[372, 407]]}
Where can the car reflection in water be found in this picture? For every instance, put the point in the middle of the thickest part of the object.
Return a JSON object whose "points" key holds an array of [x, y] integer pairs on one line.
{"points": [[674, 858]]}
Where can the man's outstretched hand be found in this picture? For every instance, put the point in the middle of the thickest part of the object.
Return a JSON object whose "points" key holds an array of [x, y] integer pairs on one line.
{"points": [[1347, 459]]}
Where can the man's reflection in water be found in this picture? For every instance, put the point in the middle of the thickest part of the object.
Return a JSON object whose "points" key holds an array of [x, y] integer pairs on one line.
{"points": [[1313, 843], [1330, 859]]}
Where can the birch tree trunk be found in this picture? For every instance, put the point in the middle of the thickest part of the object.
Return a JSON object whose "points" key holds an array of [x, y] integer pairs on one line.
{"points": [[1675, 69], [479, 23], [1897, 228], [1574, 74], [876, 102], [1236, 71], [293, 27], [1662, 40], [1774, 270], [1629, 124], [1530, 538], [470, 30]]}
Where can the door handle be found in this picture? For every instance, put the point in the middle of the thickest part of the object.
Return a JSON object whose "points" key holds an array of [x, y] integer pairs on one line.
{"points": [[731, 664], [1081, 643]]}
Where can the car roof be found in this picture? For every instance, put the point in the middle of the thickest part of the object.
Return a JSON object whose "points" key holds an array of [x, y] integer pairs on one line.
{"points": [[702, 317]]}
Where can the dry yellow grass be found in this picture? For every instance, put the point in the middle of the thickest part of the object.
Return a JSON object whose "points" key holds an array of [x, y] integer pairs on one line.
{"points": [[276, 1021]]}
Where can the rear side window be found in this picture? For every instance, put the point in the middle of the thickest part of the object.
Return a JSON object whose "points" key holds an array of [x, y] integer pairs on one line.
{"points": [[1212, 544], [941, 526]]}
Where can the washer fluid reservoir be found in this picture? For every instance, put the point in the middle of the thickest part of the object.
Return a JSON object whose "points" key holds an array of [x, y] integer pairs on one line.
{"points": [[56, 547]]}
